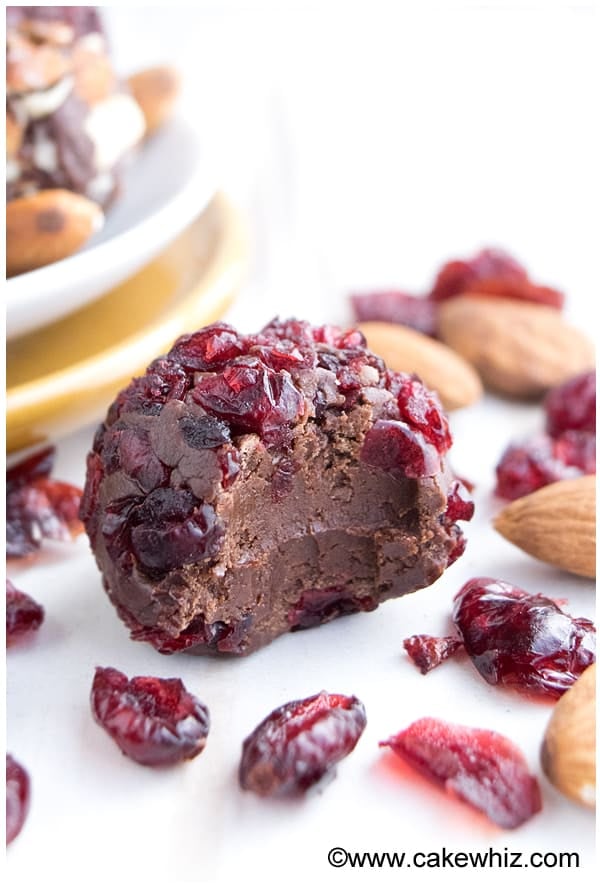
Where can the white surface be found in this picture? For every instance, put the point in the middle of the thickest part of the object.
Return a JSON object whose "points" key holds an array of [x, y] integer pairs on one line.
{"points": [[366, 148], [168, 184]]}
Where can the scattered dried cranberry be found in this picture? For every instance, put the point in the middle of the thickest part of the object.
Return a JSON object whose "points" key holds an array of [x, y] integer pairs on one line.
{"points": [[23, 614], [298, 743], [494, 273], [481, 767], [38, 508], [393, 306], [17, 797], [522, 640], [572, 405], [154, 721], [530, 465], [428, 652]]}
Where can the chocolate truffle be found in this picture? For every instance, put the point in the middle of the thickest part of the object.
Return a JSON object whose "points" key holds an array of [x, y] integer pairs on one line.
{"points": [[247, 486], [69, 121]]}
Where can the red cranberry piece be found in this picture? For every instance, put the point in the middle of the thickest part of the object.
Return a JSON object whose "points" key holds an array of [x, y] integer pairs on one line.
{"points": [[481, 767], [164, 380], [530, 465], [38, 508], [495, 273], [17, 797], [577, 448], [459, 507], [209, 348], [392, 306], [298, 743], [428, 652], [23, 614], [394, 447], [320, 605], [129, 450], [421, 409], [172, 528], [250, 396], [457, 277], [154, 721], [522, 640], [204, 432], [572, 405]]}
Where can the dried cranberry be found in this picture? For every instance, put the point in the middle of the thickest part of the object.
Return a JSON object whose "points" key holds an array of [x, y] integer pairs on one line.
{"points": [[392, 306], [572, 405], [317, 606], [522, 640], [38, 508], [154, 721], [204, 432], [298, 743], [428, 652], [17, 797], [577, 448], [209, 348], [480, 767], [527, 466], [394, 447], [23, 614], [172, 528], [494, 273], [250, 396], [128, 449], [459, 506], [421, 409], [164, 380]]}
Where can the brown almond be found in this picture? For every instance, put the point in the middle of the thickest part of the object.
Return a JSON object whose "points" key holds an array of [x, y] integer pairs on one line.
{"points": [[519, 349], [556, 524], [47, 226], [568, 752], [155, 90], [407, 351], [14, 136]]}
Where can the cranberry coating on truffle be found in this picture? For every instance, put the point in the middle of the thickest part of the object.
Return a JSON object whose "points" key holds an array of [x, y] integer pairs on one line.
{"points": [[249, 485], [154, 721]]}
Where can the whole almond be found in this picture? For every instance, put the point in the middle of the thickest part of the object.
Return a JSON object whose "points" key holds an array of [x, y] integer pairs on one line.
{"points": [[47, 226], [569, 748], [95, 78], [407, 351], [519, 349], [155, 90], [556, 524]]}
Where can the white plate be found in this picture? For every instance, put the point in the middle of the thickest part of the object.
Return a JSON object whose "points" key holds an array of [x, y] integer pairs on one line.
{"points": [[169, 182]]}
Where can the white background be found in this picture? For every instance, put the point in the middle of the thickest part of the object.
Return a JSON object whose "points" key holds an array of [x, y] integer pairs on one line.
{"points": [[366, 143]]}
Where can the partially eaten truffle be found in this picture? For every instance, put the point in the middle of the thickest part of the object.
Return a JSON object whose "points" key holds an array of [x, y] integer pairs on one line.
{"points": [[247, 486]]}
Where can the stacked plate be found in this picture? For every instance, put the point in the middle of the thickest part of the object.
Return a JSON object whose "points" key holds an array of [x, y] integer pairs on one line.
{"points": [[169, 259]]}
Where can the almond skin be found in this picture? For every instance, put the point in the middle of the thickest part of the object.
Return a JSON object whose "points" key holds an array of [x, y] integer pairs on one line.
{"points": [[556, 524], [47, 226], [519, 349], [407, 351], [155, 90], [568, 752]]}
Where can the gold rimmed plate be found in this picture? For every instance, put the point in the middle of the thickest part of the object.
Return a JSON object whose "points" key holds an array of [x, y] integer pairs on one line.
{"points": [[63, 376]]}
